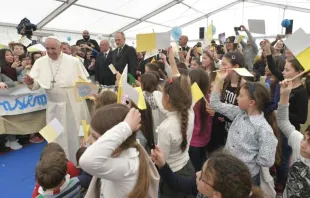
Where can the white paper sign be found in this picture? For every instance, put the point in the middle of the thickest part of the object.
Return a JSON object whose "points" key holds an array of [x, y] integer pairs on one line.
{"points": [[257, 26], [25, 41], [243, 72], [112, 68], [163, 40], [298, 42], [150, 54], [36, 48]]}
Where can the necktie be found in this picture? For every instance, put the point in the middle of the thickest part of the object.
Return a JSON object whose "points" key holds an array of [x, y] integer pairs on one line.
{"points": [[119, 51], [105, 55]]}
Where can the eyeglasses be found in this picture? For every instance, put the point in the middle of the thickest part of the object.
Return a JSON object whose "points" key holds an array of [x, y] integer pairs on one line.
{"points": [[201, 179]]}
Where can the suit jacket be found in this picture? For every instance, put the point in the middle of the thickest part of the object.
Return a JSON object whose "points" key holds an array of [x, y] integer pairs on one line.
{"points": [[128, 56], [102, 70], [92, 41]]}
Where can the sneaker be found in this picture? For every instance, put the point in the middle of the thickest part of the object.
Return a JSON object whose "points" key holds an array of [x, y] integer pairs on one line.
{"points": [[36, 139], [14, 145]]}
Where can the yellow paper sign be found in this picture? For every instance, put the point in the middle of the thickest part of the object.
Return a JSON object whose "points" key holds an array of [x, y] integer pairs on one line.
{"points": [[141, 102], [51, 131], [304, 59], [85, 128], [196, 92], [146, 42]]}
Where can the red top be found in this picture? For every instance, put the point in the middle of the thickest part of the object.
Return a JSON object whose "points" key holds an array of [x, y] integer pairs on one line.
{"points": [[201, 139], [72, 171], [10, 72]]}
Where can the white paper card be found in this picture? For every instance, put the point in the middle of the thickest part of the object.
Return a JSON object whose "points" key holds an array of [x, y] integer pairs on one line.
{"points": [[243, 72], [36, 48], [112, 68], [131, 93], [151, 53], [163, 40], [81, 131], [125, 75], [257, 26], [25, 41], [57, 126], [298, 42]]}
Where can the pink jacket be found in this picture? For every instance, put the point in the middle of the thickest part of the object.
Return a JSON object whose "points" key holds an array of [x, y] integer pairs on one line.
{"points": [[201, 139]]}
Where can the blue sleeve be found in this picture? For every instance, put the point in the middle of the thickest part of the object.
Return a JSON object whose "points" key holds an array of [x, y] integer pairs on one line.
{"points": [[85, 179], [177, 183], [95, 53]]}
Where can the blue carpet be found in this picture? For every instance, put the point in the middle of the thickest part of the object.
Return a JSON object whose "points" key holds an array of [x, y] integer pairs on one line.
{"points": [[17, 170]]}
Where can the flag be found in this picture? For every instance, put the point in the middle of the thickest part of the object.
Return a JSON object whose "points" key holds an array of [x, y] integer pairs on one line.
{"points": [[52, 130], [196, 92], [141, 102], [148, 42], [299, 44]]}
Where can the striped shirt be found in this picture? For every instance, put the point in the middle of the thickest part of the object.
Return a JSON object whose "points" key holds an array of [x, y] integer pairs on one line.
{"points": [[250, 138], [72, 190]]}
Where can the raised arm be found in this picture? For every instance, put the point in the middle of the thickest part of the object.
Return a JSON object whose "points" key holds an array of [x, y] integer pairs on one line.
{"points": [[271, 65], [283, 109], [178, 183], [228, 110], [173, 65]]}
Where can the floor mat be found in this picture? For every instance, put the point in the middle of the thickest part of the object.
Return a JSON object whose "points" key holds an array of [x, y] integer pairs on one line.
{"points": [[17, 170]]}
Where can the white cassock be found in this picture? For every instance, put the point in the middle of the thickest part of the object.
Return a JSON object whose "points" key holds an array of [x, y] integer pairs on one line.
{"points": [[58, 79]]}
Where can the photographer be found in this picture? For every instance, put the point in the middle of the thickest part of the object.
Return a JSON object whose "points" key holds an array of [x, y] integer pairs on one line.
{"points": [[88, 41], [249, 48]]}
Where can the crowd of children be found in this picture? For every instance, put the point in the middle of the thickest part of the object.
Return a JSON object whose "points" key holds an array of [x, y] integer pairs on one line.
{"points": [[228, 144]]}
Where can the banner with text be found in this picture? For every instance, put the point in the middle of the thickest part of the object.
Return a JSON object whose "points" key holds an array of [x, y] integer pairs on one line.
{"points": [[20, 99]]}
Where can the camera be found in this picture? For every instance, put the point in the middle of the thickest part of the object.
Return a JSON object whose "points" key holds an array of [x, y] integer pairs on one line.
{"points": [[26, 28], [237, 28]]}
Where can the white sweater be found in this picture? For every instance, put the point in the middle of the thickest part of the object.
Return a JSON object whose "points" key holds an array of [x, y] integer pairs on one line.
{"points": [[118, 175], [298, 182]]}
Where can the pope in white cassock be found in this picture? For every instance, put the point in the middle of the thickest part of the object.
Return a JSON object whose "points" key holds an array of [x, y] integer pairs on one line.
{"points": [[57, 73]]}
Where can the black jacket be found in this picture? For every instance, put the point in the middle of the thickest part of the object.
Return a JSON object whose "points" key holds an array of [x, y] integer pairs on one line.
{"points": [[126, 56], [103, 73]]}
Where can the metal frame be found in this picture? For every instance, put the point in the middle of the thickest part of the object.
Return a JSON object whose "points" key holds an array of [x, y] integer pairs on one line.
{"points": [[67, 3], [211, 13], [277, 5], [155, 12], [55, 13]]}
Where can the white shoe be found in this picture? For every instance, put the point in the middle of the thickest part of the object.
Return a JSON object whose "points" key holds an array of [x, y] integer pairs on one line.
{"points": [[14, 145]]}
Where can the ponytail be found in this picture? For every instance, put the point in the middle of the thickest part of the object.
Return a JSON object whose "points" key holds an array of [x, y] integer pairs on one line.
{"points": [[144, 179], [256, 193], [184, 125]]}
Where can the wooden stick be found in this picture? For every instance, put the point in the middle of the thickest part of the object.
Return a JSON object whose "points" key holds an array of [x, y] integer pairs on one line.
{"points": [[222, 70], [300, 74]]}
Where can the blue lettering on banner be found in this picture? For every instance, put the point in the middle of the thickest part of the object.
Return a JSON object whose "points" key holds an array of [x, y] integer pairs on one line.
{"points": [[24, 103]]}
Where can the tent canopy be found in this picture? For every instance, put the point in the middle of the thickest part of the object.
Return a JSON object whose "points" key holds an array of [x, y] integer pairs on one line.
{"points": [[105, 17]]}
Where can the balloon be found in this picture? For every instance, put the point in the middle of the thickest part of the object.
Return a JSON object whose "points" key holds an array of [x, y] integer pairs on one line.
{"points": [[176, 33], [68, 38], [285, 23], [213, 29]]}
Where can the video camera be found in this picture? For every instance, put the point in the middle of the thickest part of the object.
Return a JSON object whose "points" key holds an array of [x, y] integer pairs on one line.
{"points": [[26, 28]]}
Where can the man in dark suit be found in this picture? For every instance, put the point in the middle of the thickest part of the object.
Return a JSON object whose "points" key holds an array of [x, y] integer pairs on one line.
{"points": [[103, 74], [124, 55], [86, 40]]}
